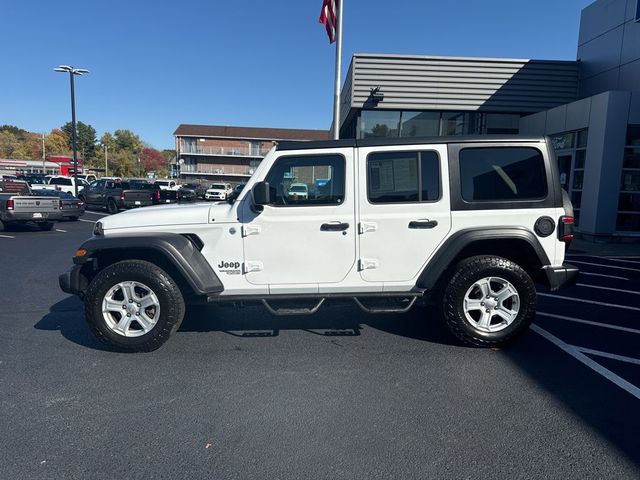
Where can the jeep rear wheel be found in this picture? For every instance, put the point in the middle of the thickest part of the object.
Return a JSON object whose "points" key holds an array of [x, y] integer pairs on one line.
{"points": [[133, 306], [489, 301]]}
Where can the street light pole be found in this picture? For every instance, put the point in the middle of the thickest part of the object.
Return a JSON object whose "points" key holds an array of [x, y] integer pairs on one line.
{"points": [[72, 72], [73, 135], [106, 162]]}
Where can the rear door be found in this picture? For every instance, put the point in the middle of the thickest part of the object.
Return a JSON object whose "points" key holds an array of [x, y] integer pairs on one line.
{"points": [[404, 210]]}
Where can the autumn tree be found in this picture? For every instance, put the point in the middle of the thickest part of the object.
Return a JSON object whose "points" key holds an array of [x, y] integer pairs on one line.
{"points": [[153, 160], [9, 145], [85, 138], [127, 140], [57, 143]]}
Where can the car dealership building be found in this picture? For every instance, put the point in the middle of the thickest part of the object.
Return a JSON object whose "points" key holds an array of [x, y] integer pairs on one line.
{"points": [[590, 107]]}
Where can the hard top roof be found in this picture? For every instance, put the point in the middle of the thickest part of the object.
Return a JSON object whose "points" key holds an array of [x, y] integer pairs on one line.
{"points": [[386, 141]]}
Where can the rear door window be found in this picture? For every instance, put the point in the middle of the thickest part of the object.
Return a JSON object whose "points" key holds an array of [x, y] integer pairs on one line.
{"points": [[403, 177], [60, 181]]}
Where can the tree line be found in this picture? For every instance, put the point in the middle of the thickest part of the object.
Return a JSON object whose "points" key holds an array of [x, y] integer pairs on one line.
{"points": [[126, 153]]}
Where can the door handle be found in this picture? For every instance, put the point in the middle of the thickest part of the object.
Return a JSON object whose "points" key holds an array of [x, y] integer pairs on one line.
{"points": [[423, 224], [334, 227]]}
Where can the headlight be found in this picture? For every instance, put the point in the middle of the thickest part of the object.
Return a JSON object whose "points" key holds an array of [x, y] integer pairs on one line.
{"points": [[97, 229]]}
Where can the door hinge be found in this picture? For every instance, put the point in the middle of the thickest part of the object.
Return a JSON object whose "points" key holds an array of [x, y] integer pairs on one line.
{"points": [[368, 263], [250, 230], [364, 227], [253, 266]]}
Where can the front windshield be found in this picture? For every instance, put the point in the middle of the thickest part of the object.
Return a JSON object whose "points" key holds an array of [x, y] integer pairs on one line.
{"points": [[298, 188], [217, 186]]}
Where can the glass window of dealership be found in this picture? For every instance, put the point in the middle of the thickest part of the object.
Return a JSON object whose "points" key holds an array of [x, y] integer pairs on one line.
{"points": [[570, 147]]}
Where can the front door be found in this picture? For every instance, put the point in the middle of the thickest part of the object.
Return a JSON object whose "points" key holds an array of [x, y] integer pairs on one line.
{"points": [[404, 210], [307, 236]]}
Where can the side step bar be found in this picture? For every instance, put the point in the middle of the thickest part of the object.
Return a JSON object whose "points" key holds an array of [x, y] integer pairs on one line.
{"points": [[292, 311], [408, 299], [403, 309]]}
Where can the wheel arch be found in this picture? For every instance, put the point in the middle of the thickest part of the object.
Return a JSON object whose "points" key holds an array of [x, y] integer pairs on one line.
{"points": [[516, 244], [177, 254]]}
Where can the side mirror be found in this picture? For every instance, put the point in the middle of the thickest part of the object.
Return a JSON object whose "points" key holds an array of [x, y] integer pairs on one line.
{"points": [[261, 194]]}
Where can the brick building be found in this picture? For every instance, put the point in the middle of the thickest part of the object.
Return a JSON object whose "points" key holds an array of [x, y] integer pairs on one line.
{"points": [[213, 153]]}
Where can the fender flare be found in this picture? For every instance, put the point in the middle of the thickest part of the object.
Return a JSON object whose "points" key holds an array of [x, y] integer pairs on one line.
{"points": [[177, 249], [457, 242]]}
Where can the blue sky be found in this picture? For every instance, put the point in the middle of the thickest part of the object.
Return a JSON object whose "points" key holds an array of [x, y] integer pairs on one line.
{"points": [[156, 64]]}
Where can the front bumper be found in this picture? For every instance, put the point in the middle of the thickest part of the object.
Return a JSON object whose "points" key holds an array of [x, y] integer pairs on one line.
{"points": [[561, 277], [73, 281]]}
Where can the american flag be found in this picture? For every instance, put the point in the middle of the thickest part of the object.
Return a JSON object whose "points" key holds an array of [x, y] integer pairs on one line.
{"points": [[328, 16]]}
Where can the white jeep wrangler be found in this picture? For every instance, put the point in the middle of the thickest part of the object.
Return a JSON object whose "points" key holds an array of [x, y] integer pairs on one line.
{"points": [[470, 223]]}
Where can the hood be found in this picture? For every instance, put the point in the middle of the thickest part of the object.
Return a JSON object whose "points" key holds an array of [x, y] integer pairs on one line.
{"points": [[168, 215]]}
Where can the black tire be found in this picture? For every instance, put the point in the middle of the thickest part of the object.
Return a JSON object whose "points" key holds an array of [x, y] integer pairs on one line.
{"points": [[2, 227], [472, 270], [112, 208], [170, 298], [74, 219], [45, 226]]}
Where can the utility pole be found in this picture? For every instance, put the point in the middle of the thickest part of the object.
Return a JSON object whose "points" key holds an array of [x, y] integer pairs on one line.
{"points": [[106, 161]]}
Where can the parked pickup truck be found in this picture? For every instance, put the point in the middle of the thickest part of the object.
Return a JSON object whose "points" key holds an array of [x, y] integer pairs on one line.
{"points": [[116, 196], [18, 205], [159, 196]]}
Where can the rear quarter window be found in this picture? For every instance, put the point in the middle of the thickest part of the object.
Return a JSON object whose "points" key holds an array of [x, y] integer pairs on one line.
{"points": [[502, 174]]}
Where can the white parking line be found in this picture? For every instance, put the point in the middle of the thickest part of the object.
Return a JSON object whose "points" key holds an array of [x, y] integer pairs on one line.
{"points": [[6, 236], [626, 307], [607, 288], [603, 275], [592, 364], [605, 266], [59, 230], [589, 322], [87, 221], [96, 213], [612, 356], [621, 260]]}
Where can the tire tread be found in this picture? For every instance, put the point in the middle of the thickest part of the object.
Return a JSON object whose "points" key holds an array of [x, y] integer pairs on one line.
{"points": [[474, 266], [168, 287]]}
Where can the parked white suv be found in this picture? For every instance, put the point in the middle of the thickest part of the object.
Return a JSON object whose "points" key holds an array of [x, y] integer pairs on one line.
{"points": [[470, 224], [64, 184], [218, 191]]}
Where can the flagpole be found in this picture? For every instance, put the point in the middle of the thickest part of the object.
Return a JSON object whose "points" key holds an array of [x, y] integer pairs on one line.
{"points": [[336, 93]]}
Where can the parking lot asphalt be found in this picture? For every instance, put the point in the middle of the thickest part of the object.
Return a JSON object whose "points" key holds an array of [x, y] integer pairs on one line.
{"points": [[342, 394]]}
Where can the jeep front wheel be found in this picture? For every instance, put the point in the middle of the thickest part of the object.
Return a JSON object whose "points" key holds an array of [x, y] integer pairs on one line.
{"points": [[133, 306], [489, 301]]}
